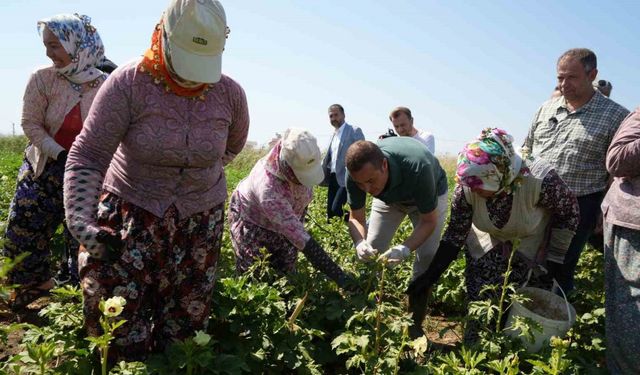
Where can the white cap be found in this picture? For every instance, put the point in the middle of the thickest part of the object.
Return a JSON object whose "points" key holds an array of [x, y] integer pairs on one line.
{"points": [[196, 33], [301, 152]]}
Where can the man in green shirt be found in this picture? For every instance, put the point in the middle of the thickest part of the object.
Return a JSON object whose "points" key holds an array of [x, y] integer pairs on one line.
{"points": [[405, 179]]}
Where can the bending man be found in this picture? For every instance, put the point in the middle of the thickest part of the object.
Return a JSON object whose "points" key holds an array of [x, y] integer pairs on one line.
{"points": [[405, 179]]}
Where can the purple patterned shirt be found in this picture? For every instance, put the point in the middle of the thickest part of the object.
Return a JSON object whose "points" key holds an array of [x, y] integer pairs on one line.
{"points": [[159, 149], [271, 198]]}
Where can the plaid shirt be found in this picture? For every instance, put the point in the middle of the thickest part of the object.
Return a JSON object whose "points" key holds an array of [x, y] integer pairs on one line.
{"points": [[576, 143]]}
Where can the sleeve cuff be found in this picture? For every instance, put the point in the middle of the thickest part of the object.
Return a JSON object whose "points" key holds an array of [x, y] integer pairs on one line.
{"points": [[559, 244]]}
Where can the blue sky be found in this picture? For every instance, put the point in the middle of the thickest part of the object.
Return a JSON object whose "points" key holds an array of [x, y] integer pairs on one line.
{"points": [[459, 65]]}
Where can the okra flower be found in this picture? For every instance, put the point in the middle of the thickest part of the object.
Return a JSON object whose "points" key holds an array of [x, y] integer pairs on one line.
{"points": [[113, 306], [201, 338]]}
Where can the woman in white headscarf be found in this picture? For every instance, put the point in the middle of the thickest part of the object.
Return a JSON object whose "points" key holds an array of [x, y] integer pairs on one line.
{"points": [[56, 102]]}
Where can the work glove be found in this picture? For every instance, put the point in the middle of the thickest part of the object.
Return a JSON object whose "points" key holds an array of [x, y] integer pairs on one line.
{"points": [[364, 251], [395, 255], [547, 272], [62, 155], [321, 261]]}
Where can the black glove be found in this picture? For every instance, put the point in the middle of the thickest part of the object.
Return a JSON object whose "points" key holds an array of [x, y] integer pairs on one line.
{"points": [[553, 270], [445, 255], [113, 242], [62, 155], [322, 262]]}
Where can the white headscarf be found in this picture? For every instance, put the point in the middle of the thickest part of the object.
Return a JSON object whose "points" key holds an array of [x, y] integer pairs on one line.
{"points": [[81, 41]]}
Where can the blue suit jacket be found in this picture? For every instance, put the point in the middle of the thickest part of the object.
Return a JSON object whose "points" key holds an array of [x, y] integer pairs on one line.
{"points": [[350, 134]]}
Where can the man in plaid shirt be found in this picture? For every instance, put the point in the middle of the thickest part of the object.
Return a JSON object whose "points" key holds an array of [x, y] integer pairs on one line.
{"points": [[573, 132]]}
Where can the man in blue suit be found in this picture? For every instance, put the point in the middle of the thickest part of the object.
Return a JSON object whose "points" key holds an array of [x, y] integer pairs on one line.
{"points": [[333, 164]]}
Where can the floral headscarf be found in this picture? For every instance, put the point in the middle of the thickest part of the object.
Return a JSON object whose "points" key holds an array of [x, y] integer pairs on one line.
{"points": [[490, 162], [81, 41]]}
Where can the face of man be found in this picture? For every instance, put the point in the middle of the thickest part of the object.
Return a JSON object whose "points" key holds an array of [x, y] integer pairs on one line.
{"points": [[574, 82], [336, 117], [403, 125], [371, 180]]}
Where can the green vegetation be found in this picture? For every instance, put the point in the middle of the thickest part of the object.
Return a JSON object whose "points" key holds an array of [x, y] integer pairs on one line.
{"points": [[264, 323]]}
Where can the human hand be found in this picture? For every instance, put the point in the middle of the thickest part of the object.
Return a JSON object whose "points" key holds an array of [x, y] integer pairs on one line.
{"points": [[110, 239], [545, 273], [364, 251], [395, 255], [101, 243]]}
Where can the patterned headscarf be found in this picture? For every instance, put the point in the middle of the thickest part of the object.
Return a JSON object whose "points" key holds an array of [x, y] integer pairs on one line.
{"points": [[81, 41], [277, 166], [490, 162]]}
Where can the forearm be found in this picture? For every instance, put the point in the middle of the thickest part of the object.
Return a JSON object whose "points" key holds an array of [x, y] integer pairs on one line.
{"points": [[559, 242], [623, 156], [623, 160], [39, 137], [239, 129], [82, 188], [357, 226], [422, 231], [34, 111], [320, 260]]}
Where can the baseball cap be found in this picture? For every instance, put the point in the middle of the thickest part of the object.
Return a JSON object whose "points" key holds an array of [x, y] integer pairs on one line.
{"points": [[301, 152], [196, 34]]}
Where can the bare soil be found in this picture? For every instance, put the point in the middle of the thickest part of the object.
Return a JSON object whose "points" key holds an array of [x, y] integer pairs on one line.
{"points": [[28, 315], [451, 331]]}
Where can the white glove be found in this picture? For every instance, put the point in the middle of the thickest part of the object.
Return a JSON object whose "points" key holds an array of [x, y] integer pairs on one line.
{"points": [[395, 255], [364, 251]]}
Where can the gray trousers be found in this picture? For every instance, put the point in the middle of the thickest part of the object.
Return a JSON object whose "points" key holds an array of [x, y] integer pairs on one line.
{"points": [[622, 298], [385, 220]]}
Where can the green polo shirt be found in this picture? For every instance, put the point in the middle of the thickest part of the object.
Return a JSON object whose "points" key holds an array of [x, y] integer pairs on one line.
{"points": [[415, 176]]}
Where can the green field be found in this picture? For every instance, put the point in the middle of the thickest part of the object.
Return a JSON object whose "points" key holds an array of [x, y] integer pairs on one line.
{"points": [[255, 326]]}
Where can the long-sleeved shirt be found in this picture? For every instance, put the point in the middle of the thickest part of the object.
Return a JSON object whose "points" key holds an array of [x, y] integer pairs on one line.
{"points": [[554, 196], [270, 198], [159, 149], [576, 143], [48, 98], [426, 138], [621, 205]]}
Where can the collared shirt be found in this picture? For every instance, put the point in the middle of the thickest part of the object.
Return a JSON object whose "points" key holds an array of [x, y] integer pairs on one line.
{"points": [[158, 149], [415, 176], [576, 143], [335, 146]]}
